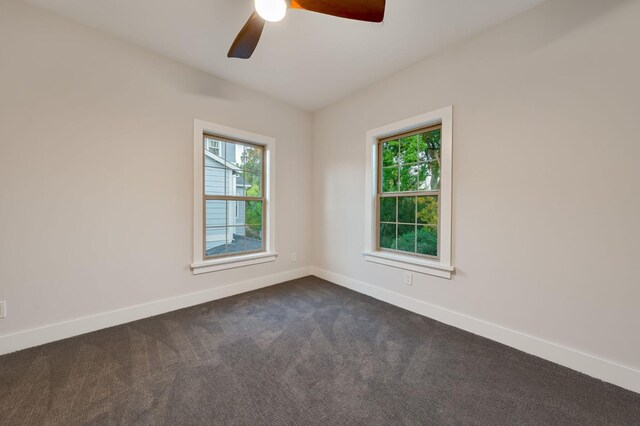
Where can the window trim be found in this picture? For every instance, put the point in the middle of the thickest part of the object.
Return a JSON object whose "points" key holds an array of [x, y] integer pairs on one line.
{"points": [[202, 264], [443, 266]]}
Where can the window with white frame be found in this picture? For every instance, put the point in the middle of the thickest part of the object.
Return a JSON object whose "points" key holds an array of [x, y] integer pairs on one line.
{"points": [[409, 192], [233, 198]]}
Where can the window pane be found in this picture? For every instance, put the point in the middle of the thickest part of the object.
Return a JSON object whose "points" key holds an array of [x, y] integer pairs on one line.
{"points": [[388, 236], [422, 148], [235, 153], [215, 242], [408, 178], [240, 184], [407, 210], [214, 147], [253, 185], [407, 238], [254, 237], [408, 150], [388, 209], [215, 220], [229, 154], [428, 210], [236, 239], [214, 176], [250, 159], [232, 168], [390, 179], [226, 213], [236, 213], [215, 213], [429, 178], [224, 226], [253, 212], [428, 240], [390, 153], [430, 149]]}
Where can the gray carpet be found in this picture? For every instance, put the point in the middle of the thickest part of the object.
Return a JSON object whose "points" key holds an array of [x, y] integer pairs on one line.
{"points": [[300, 353]]}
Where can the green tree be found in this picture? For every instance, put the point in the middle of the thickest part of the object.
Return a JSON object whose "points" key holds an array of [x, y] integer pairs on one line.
{"points": [[412, 163], [251, 163]]}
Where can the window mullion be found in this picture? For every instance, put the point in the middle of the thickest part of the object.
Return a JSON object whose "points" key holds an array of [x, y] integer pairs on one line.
{"points": [[397, 217], [232, 198], [410, 194], [415, 218]]}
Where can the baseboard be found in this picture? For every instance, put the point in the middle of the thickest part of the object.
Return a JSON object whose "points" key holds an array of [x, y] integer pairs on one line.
{"points": [[609, 371], [62, 330], [606, 370]]}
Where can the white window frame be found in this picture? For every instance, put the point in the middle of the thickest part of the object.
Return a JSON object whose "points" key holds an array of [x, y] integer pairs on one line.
{"points": [[442, 267], [201, 265]]}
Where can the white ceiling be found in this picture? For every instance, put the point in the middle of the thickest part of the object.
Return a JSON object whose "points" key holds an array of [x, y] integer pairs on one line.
{"points": [[308, 60]]}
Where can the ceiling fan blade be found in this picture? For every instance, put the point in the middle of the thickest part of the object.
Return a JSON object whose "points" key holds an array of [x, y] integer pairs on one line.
{"points": [[248, 38], [361, 10]]}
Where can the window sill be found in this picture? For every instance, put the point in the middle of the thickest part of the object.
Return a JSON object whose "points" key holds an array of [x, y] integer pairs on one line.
{"points": [[410, 263], [214, 265]]}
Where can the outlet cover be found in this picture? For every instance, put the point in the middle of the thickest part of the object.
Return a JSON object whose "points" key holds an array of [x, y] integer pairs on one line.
{"points": [[3, 309], [408, 278], [294, 257]]}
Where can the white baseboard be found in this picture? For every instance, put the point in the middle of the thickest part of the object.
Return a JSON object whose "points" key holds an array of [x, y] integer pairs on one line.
{"points": [[62, 330], [608, 371]]}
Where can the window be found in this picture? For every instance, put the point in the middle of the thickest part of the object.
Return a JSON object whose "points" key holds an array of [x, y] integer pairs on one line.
{"points": [[233, 198], [409, 192]]}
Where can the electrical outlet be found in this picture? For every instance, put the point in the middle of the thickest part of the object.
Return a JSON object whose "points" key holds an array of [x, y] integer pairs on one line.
{"points": [[3, 309], [408, 278], [294, 257]]}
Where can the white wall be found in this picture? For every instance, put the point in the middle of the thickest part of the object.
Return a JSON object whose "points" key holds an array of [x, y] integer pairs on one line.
{"points": [[96, 165], [546, 176], [96, 172]]}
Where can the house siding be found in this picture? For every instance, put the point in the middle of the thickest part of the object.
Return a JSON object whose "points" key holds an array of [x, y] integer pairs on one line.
{"points": [[216, 176]]}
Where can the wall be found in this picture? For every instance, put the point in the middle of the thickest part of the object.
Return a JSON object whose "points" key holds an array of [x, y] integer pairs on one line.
{"points": [[546, 199], [96, 165], [546, 234]]}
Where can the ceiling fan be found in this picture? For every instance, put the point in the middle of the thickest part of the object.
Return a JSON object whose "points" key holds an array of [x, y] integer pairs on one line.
{"points": [[275, 10]]}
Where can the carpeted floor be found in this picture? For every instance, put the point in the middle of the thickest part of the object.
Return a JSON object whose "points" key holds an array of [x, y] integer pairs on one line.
{"points": [[300, 353]]}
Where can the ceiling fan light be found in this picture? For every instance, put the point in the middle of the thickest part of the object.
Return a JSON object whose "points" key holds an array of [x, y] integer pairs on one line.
{"points": [[271, 10]]}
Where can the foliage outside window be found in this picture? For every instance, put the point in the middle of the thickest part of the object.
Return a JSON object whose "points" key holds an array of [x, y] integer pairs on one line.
{"points": [[234, 200], [409, 191]]}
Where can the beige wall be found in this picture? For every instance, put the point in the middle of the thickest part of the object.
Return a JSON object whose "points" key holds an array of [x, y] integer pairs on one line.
{"points": [[546, 174], [96, 165]]}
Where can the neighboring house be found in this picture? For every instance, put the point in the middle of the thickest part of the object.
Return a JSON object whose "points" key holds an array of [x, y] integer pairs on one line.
{"points": [[219, 174]]}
